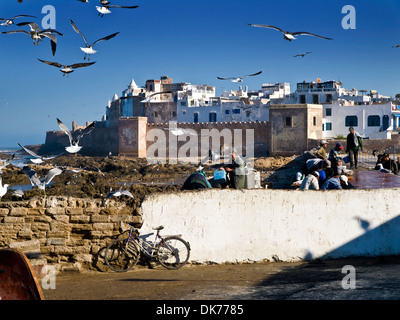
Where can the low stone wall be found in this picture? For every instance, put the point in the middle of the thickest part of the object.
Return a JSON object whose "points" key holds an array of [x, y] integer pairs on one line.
{"points": [[70, 233]]}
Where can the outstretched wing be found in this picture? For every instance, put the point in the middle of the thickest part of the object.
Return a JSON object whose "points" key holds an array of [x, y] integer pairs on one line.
{"points": [[33, 178], [53, 41], [55, 64], [81, 65], [33, 25], [300, 33], [77, 31], [225, 78], [16, 31], [106, 38], [124, 7], [51, 174], [64, 128], [29, 151], [251, 75], [86, 131], [266, 26]]}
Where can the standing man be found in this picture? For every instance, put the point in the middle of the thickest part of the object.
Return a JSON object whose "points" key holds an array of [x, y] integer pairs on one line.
{"points": [[354, 143]]}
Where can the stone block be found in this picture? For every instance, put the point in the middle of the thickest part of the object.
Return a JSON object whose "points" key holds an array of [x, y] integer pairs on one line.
{"points": [[61, 218], [4, 212], [14, 220], [55, 211], [74, 211], [79, 219], [56, 242], [99, 218], [40, 226], [103, 226], [36, 211], [25, 233]]}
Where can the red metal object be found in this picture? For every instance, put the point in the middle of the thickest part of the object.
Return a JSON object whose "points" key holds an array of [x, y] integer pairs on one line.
{"points": [[17, 279]]}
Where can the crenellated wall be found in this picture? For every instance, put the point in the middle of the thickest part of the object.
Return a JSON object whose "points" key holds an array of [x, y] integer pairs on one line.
{"points": [[70, 232]]}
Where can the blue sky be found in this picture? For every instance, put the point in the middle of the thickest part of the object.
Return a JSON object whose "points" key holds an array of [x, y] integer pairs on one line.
{"points": [[190, 41]]}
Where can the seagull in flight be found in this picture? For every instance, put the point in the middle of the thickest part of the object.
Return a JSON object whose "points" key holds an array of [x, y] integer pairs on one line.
{"points": [[10, 21], [120, 193], [88, 50], [302, 54], [105, 7], [288, 35], [74, 143], [37, 35], [36, 158], [240, 79], [67, 69], [396, 46], [34, 179], [148, 98]]}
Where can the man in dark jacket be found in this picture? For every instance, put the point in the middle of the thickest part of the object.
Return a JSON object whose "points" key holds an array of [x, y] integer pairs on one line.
{"points": [[354, 143]]}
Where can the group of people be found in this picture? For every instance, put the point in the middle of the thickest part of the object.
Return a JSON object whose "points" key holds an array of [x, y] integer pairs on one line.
{"points": [[385, 164]]}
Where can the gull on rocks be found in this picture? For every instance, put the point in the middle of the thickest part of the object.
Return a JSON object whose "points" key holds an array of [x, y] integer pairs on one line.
{"points": [[3, 188], [88, 50], [74, 143]]}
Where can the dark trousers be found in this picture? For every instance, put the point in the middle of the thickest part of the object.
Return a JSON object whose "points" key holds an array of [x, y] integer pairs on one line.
{"points": [[353, 154]]}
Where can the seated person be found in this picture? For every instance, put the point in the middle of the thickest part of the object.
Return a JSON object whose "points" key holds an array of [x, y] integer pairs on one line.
{"points": [[321, 153], [196, 180], [334, 158], [387, 163], [310, 182], [337, 183]]}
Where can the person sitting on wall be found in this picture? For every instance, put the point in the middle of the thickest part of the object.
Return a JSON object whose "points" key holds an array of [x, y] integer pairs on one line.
{"points": [[337, 183], [236, 176], [196, 180], [384, 162], [334, 157], [310, 182], [321, 153]]}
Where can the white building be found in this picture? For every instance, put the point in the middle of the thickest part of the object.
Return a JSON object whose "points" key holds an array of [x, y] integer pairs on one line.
{"points": [[373, 121]]}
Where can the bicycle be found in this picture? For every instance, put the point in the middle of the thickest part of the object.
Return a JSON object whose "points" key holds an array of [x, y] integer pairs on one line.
{"points": [[172, 252]]}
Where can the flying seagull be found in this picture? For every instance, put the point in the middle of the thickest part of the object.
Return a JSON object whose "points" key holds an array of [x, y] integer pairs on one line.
{"points": [[36, 158], [105, 7], [148, 98], [180, 131], [120, 193], [74, 143], [10, 21], [37, 35], [34, 179], [302, 54], [288, 35], [396, 46], [3, 188], [67, 69], [88, 50], [240, 79]]}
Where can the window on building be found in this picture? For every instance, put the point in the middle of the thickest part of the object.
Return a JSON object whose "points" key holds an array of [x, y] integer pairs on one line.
{"points": [[183, 111], [226, 111], [155, 114], [374, 121], [289, 122], [173, 114], [351, 121], [328, 126], [213, 117], [314, 120], [196, 117], [236, 111], [183, 103], [328, 98], [315, 99], [302, 98], [385, 122], [328, 112]]}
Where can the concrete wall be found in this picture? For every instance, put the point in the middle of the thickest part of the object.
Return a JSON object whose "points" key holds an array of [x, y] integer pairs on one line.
{"points": [[242, 225]]}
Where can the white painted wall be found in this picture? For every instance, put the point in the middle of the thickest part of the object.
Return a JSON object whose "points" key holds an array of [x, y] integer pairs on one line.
{"points": [[252, 225]]}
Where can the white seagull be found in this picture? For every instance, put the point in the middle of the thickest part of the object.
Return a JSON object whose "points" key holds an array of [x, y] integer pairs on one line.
{"points": [[37, 35], [105, 7], [36, 158], [34, 179], [120, 193], [302, 54], [74, 143], [88, 50], [6, 162], [65, 68], [288, 35], [10, 21], [3, 188], [180, 131], [240, 79], [148, 98]]}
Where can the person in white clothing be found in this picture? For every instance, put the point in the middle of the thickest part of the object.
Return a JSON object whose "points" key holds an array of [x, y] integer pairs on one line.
{"points": [[310, 182]]}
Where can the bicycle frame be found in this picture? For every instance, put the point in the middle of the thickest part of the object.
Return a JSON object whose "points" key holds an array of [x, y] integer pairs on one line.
{"points": [[145, 246]]}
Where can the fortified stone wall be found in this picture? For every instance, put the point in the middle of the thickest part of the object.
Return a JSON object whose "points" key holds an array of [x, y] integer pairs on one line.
{"points": [[70, 232]]}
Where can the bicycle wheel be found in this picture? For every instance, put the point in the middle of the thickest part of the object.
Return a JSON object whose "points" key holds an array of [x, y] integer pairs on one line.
{"points": [[121, 255], [173, 252]]}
